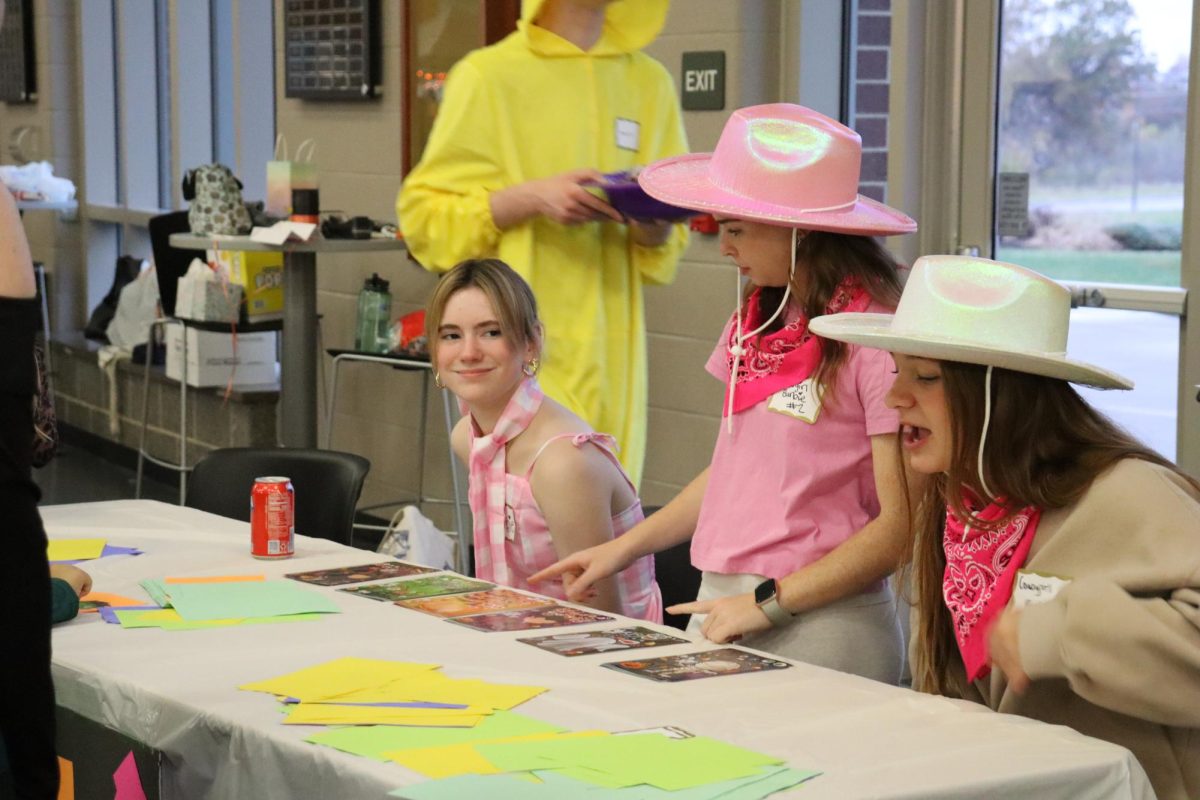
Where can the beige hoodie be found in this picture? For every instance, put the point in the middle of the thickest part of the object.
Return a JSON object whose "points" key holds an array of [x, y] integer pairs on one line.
{"points": [[1115, 653]]}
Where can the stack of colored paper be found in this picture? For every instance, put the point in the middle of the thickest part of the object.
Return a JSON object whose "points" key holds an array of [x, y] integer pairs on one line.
{"points": [[362, 691], [222, 600]]}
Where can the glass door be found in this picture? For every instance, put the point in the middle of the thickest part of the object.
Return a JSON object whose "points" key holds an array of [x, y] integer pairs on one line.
{"points": [[1079, 169]]}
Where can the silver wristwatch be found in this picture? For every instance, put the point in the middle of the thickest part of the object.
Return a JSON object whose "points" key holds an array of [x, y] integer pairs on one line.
{"points": [[766, 596]]}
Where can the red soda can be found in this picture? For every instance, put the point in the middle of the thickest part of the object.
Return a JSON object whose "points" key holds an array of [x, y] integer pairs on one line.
{"points": [[272, 518]]}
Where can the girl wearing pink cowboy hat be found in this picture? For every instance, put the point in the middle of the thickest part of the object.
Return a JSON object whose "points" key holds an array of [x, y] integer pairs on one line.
{"points": [[1056, 560], [800, 516]]}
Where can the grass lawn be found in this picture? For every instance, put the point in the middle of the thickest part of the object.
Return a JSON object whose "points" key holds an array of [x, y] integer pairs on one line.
{"points": [[1148, 267]]}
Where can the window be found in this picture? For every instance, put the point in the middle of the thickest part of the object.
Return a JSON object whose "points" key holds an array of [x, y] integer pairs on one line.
{"points": [[171, 84]]}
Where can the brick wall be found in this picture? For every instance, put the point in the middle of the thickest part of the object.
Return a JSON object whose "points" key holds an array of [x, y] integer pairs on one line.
{"points": [[869, 99]]}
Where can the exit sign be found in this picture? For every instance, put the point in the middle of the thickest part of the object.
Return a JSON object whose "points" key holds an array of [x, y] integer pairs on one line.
{"points": [[704, 81]]}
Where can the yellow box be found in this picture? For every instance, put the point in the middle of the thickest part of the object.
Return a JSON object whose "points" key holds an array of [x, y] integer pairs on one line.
{"points": [[261, 277]]}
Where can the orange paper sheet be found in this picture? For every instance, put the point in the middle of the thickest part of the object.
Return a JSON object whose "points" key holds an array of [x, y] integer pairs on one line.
{"points": [[113, 600], [66, 779], [216, 579]]}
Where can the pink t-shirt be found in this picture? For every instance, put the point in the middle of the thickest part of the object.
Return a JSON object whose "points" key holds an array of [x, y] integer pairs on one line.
{"points": [[795, 478]]}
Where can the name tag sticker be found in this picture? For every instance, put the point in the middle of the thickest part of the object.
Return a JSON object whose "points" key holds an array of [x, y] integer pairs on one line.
{"points": [[628, 134], [1032, 588], [802, 401]]}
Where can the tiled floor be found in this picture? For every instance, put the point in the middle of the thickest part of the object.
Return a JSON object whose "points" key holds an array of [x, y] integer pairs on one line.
{"points": [[78, 476]]}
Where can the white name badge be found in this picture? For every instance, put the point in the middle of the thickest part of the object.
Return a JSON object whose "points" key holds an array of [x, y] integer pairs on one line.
{"points": [[802, 401], [1032, 588], [628, 134]]}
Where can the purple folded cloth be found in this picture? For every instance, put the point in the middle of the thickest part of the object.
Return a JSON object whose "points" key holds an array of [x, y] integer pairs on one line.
{"points": [[109, 613], [625, 195], [109, 550]]}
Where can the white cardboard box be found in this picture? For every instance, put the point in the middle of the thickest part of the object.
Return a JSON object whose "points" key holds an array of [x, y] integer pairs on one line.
{"points": [[211, 358]]}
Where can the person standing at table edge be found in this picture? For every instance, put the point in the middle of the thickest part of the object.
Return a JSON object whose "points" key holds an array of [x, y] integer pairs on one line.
{"points": [[524, 124], [800, 516], [26, 690], [1056, 559]]}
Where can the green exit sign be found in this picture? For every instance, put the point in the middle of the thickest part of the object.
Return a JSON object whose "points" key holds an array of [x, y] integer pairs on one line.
{"points": [[704, 81]]}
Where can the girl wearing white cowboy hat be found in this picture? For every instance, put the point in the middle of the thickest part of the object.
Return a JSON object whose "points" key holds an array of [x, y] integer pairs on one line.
{"points": [[800, 516], [1055, 559], [542, 483]]}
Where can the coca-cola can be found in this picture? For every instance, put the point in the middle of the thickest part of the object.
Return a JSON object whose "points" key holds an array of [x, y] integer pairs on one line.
{"points": [[272, 518]]}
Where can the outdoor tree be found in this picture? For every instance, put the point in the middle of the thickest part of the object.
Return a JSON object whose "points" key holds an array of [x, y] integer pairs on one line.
{"points": [[1072, 68]]}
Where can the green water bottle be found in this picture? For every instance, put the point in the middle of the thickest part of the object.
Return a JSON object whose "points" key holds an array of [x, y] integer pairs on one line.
{"points": [[372, 333]]}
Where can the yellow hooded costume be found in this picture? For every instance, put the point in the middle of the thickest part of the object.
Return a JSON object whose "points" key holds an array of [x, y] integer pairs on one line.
{"points": [[535, 105]]}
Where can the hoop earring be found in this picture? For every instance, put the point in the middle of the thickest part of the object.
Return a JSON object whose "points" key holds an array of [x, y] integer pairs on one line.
{"points": [[531, 367], [437, 380]]}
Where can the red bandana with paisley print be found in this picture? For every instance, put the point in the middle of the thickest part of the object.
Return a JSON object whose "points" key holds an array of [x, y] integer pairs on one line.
{"points": [[981, 566], [776, 361]]}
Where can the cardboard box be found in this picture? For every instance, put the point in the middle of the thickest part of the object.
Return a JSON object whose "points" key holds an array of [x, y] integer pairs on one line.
{"points": [[261, 277], [211, 358]]}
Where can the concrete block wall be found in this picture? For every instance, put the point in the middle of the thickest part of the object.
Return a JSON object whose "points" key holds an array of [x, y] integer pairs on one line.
{"points": [[81, 400]]}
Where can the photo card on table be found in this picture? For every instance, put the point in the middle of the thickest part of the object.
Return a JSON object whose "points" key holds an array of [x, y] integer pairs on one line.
{"points": [[692, 666], [462, 605], [583, 643], [339, 576], [409, 588], [530, 619]]}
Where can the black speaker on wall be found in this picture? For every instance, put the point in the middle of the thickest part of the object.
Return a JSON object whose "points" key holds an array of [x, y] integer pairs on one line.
{"points": [[331, 49], [18, 72]]}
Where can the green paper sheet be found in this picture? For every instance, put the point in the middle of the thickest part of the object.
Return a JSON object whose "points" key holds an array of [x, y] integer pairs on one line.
{"points": [[169, 620], [197, 602], [670, 764], [555, 786], [374, 740], [157, 591]]}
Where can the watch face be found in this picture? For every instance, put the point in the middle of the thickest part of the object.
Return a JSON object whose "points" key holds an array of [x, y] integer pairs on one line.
{"points": [[764, 592]]}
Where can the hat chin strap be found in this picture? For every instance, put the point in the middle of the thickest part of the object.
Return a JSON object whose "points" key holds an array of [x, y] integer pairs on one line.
{"points": [[987, 417], [738, 350]]}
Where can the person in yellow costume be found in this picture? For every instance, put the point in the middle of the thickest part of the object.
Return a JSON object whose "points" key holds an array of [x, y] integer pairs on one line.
{"points": [[524, 126]]}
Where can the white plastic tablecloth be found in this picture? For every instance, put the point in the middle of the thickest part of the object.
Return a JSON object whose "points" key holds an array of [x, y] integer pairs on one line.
{"points": [[176, 690]]}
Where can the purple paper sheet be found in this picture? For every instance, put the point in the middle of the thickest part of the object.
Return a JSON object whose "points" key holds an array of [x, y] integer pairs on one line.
{"points": [[109, 613], [413, 704]]}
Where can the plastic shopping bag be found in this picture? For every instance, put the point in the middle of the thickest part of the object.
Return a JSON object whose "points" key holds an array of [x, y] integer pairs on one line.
{"points": [[412, 536]]}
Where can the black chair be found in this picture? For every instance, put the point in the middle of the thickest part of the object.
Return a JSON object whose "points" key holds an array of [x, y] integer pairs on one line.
{"points": [[170, 264], [327, 483], [677, 579]]}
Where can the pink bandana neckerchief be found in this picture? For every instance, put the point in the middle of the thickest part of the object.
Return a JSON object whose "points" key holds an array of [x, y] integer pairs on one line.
{"points": [[981, 566], [486, 493], [775, 361]]}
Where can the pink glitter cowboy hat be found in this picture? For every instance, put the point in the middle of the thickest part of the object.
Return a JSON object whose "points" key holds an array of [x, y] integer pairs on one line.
{"points": [[781, 164]]}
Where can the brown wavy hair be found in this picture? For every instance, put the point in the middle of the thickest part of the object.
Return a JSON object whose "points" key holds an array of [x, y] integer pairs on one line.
{"points": [[509, 294], [827, 259], [1044, 448]]}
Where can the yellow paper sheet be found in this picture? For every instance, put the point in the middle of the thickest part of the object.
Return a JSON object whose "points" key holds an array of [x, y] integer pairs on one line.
{"points": [[378, 715], [333, 714], [215, 579], [74, 549], [461, 759], [339, 677], [434, 687]]}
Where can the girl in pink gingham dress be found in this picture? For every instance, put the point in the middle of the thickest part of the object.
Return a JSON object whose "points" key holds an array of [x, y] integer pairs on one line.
{"points": [[542, 483]]}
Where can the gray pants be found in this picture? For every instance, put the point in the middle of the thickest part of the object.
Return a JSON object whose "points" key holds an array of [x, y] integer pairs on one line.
{"points": [[860, 634]]}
